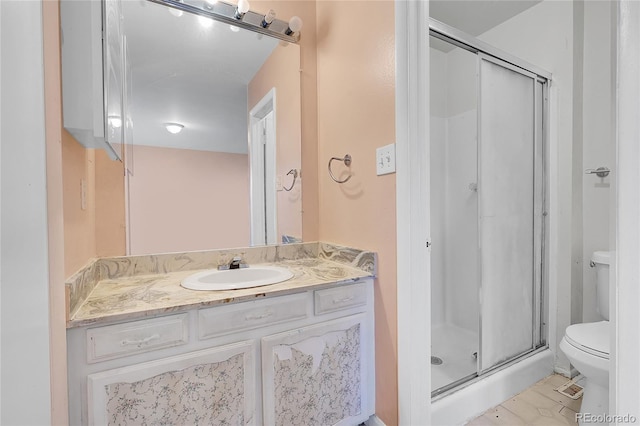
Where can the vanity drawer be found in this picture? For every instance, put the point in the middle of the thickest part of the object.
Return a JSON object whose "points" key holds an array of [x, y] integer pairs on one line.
{"points": [[221, 320], [115, 341], [337, 298]]}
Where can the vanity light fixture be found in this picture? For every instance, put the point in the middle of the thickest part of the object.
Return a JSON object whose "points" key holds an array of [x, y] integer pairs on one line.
{"points": [[295, 25], [242, 8], [239, 15], [174, 127], [268, 18]]}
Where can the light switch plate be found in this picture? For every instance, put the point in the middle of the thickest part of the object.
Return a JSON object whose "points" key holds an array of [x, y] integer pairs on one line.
{"points": [[386, 159]]}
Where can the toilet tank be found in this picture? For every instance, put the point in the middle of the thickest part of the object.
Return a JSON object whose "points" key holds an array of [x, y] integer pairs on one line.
{"points": [[601, 260]]}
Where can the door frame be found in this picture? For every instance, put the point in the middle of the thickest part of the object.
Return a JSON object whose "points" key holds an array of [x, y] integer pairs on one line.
{"points": [[413, 205], [262, 173]]}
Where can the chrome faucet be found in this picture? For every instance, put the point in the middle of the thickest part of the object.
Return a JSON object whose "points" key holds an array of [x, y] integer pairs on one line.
{"points": [[236, 263]]}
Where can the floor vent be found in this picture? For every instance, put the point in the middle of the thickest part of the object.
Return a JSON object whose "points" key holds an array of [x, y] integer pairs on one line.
{"points": [[571, 389]]}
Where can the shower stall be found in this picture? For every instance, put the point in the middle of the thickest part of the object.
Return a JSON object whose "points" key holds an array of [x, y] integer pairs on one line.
{"points": [[487, 174]]}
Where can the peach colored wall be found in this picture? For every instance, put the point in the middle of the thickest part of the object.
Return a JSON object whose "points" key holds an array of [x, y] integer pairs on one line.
{"points": [[305, 9], [282, 72], [78, 164], [356, 114], [53, 135], [183, 200], [109, 206]]}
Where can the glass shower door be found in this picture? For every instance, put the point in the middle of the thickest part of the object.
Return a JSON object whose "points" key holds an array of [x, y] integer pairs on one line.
{"points": [[486, 192], [510, 203], [455, 278]]}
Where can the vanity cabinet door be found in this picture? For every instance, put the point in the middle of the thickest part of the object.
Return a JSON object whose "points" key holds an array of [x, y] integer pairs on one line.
{"points": [[212, 386], [319, 375]]}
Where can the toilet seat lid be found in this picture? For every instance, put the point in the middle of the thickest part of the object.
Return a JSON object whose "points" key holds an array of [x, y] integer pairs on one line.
{"points": [[591, 337]]}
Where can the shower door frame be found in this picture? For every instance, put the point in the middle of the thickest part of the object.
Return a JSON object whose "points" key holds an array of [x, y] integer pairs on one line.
{"points": [[485, 51]]}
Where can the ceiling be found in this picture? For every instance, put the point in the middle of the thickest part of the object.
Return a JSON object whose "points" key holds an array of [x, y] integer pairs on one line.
{"points": [[187, 73], [474, 17]]}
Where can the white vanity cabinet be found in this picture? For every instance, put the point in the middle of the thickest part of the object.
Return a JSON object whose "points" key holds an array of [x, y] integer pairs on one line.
{"points": [[305, 358], [93, 73]]}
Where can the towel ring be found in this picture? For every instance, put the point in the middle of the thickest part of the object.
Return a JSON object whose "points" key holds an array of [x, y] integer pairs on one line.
{"points": [[347, 162], [293, 172]]}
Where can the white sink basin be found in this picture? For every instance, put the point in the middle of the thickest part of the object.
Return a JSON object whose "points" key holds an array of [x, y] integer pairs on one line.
{"points": [[233, 279]]}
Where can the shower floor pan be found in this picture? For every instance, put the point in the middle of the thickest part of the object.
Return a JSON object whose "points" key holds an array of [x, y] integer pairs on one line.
{"points": [[455, 347]]}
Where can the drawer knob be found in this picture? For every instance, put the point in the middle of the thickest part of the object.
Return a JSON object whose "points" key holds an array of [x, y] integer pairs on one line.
{"points": [[263, 315], [140, 342], [343, 300]]}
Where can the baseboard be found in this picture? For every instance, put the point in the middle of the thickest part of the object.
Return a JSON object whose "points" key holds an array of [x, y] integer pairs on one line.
{"points": [[374, 421]]}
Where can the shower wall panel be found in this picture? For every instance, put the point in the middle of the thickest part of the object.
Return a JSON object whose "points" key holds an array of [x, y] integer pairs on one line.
{"points": [[461, 249]]}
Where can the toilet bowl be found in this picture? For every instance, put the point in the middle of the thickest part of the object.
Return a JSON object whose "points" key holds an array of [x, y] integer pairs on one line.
{"points": [[587, 347]]}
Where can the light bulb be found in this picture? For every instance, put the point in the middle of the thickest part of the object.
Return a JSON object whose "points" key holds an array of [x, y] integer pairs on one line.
{"points": [[268, 18], [173, 127], [205, 22], [243, 7], [295, 25]]}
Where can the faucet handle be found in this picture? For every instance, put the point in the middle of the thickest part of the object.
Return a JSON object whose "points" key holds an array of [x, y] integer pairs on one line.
{"points": [[236, 263]]}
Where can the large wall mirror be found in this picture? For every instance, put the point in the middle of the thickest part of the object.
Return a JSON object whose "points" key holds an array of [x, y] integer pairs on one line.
{"points": [[231, 176]]}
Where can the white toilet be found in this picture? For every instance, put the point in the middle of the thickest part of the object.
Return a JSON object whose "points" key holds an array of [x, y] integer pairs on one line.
{"points": [[587, 345]]}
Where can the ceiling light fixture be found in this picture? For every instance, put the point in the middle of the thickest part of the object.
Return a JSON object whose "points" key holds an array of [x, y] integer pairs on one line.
{"points": [[174, 127]]}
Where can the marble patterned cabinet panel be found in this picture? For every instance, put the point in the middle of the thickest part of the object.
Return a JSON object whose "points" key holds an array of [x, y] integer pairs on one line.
{"points": [[319, 375], [212, 386]]}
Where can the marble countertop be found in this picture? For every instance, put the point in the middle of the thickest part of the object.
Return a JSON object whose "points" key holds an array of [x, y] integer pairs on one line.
{"points": [[139, 296]]}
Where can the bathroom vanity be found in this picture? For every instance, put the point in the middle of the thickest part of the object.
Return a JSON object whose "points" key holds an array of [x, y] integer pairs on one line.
{"points": [[143, 349]]}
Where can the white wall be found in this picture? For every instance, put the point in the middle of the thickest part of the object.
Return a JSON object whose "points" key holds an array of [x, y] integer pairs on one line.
{"points": [[597, 143], [543, 35], [24, 305]]}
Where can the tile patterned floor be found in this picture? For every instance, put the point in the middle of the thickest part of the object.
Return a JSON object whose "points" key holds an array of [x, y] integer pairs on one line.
{"points": [[541, 404]]}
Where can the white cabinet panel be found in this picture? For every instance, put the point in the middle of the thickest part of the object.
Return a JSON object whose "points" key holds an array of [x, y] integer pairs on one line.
{"points": [[221, 320], [338, 298], [113, 341]]}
